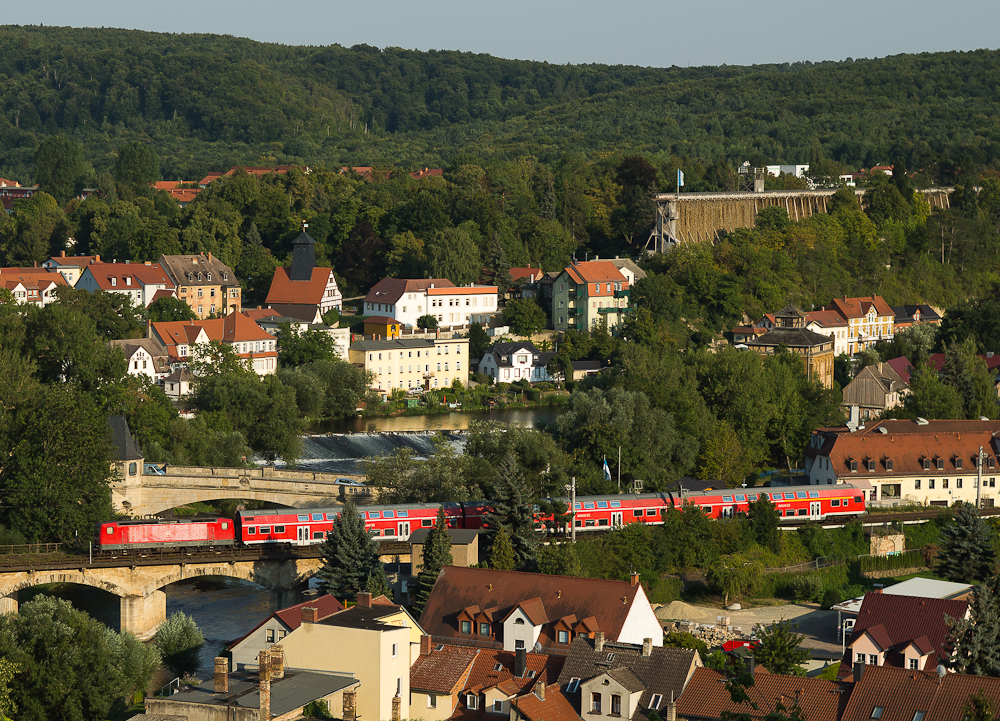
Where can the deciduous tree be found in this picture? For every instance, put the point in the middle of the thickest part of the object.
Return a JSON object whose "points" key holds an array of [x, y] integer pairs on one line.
{"points": [[524, 316], [778, 648]]}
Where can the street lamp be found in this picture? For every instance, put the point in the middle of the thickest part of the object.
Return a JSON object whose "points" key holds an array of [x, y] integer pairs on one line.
{"points": [[571, 487]]}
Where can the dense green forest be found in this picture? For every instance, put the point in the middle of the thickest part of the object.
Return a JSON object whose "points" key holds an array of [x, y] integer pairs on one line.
{"points": [[207, 102]]}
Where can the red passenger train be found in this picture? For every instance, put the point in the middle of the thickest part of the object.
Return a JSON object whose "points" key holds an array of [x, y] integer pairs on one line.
{"points": [[305, 526]]}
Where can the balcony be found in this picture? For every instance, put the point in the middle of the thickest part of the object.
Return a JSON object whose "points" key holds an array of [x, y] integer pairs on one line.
{"points": [[572, 312], [610, 310], [581, 291], [623, 293]]}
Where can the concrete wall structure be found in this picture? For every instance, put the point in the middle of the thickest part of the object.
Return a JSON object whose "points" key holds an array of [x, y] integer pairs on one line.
{"points": [[143, 604], [186, 484], [687, 217]]}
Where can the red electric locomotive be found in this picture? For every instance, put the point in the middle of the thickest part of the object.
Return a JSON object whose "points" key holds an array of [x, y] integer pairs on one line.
{"points": [[158, 533]]}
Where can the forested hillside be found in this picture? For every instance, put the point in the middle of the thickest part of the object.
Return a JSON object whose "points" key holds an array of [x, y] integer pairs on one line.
{"points": [[206, 102]]}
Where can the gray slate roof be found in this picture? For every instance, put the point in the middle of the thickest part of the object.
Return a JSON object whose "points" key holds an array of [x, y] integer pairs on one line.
{"points": [[126, 449], [791, 337], [460, 536], [663, 672]]}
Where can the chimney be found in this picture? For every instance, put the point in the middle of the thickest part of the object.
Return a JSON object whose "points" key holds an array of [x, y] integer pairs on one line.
{"points": [[221, 674], [364, 599], [149, 327], [350, 705], [520, 662], [209, 256], [859, 671], [396, 703], [647, 647], [540, 689], [634, 579], [425, 645], [599, 642], [62, 254], [264, 675], [671, 711], [751, 664], [97, 259], [310, 615], [277, 665]]}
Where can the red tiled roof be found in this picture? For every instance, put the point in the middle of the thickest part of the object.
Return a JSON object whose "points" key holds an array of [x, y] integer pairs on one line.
{"points": [[534, 610], [9, 183], [381, 320], [326, 605], [485, 675], [426, 173], [907, 444], [858, 307], [902, 366], [152, 274], [32, 277], [383, 600], [459, 588], [75, 260], [900, 693], [284, 290], [893, 622], [162, 293], [443, 671], [555, 706], [595, 271], [706, 697], [389, 290], [529, 272], [826, 318], [261, 313]]}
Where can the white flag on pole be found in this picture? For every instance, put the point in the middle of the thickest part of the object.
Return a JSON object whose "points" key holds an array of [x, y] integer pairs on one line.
{"points": [[680, 178], [607, 471]]}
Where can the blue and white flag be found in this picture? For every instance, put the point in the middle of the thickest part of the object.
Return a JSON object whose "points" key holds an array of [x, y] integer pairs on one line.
{"points": [[607, 471], [680, 177]]}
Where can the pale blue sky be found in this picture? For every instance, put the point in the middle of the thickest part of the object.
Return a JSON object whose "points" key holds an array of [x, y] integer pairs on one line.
{"points": [[633, 32]]}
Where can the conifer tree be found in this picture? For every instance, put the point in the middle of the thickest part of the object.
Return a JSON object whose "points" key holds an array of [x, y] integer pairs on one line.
{"points": [[501, 554], [965, 552], [378, 583], [974, 642], [349, 553], [437, 555], [513, 511]]}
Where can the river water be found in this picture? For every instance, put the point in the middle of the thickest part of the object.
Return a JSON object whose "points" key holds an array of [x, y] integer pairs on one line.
{"points": [[224, 608]]}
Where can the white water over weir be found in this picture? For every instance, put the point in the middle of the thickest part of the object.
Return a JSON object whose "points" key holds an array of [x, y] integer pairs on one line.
{"points": [[340, 452]]}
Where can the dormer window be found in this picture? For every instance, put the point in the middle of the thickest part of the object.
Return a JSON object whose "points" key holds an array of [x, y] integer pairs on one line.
{"points": [[128, 280], [854, 466], [888, 464], [225, 276], [991, 462], [940, 464], [958, 463], [519, 621], [871, 464], [190, 276], [927, 464], [114, 281], [465, 627]]}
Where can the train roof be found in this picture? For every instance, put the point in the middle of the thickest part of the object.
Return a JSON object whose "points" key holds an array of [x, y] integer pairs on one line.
{"points": [[270, 512]]}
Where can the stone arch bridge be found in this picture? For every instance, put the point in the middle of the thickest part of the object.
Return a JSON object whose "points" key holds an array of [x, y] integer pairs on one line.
{"points": [[692, 217], [139, 581], [145, 494]]}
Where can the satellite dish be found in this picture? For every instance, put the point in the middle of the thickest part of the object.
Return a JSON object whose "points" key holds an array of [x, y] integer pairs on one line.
{"points": [[941, 670], [538, 648]]}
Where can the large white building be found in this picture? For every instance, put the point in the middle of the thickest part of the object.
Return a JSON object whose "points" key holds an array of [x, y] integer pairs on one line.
{"points": [[413, 362], [406, 300], [511, 362], [141, 282]]}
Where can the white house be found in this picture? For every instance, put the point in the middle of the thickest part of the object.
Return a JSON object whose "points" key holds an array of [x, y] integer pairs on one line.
{"points": [[406, 300], [146, 358], [510, 362], [140, 281], [830, 323]]}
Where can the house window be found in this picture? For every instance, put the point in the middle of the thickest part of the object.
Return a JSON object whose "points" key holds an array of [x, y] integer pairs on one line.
{"points": [[916, 485], [562, 637], [466, 627], [958, 463], [269, 635], [518, 644], [854, 466], [595, 703], [927, 464], [394, 650], [888, 464], [573, 685], [484, 629], [472, 701], [872, 659], [877, 712], [432, 701], [930, 484], [498, 706], [860, 658], [914, 664], [871, 464], [940, 464], [616, 705], [991, 462], [944, 483], [958, 483], [655, 702]]}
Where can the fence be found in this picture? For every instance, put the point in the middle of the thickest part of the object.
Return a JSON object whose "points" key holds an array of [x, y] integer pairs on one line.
{"points": [[813, 565], [30, 549]]}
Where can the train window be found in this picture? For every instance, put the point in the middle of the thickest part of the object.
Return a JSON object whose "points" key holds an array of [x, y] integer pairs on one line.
{"points": [[790, 496], [616, 504], [589, 505], [110, 530], [317, 516], [388, 514], [800, 494], [590, 523], [264, 530], [707, 509], [803, 512], [279, 529], [741, 499], [637, 512], [858, 499], [426, 522], [251, 531], [331, 516], [403, 514], [835, 503], [225, 525], [602, 504], [304, 517], [775, 496], [317, 535], [727, 499], [579, 506], [373, 514], [578, 523], [602, 522], [752, 497], [814, 494]]}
